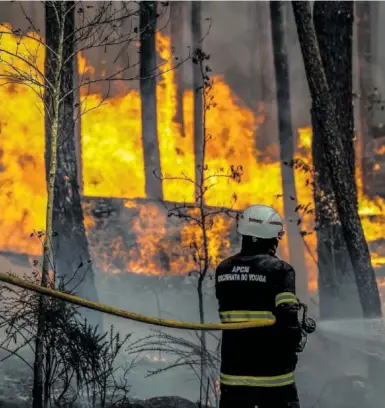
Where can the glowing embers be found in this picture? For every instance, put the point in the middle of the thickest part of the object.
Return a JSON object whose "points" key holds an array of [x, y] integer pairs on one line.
{"points": [[139, 237]]}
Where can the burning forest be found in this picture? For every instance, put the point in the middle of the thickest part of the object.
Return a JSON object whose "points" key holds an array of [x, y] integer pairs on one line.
{"points": [[135, 156], [112, 167]]}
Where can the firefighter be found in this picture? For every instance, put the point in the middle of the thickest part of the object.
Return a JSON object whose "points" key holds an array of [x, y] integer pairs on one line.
{"points": [[257, 365]]}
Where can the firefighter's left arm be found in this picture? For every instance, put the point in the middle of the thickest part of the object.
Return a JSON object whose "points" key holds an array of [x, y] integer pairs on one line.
{"points": [[286, 304]]}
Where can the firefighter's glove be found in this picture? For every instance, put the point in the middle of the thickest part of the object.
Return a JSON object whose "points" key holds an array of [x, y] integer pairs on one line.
{"points": [[295, 337], [307, 326], [302, 343]]}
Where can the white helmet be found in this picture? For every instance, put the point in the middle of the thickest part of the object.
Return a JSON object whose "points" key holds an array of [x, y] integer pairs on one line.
{"points": [[260, 221]]}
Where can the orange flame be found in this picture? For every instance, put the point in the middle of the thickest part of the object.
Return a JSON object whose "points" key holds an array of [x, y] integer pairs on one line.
{"points": [[113, 166]]}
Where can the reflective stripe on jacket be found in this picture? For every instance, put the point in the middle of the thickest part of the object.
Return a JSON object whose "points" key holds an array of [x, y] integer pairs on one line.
{"points": [[245, 316], [248, 381], [285, 297]]}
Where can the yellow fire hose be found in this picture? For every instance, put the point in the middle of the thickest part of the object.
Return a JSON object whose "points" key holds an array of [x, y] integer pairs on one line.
{"points": [[21, 283]]}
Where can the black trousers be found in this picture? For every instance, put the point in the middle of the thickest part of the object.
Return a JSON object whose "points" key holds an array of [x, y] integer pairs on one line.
{"points": [[261, 397]]}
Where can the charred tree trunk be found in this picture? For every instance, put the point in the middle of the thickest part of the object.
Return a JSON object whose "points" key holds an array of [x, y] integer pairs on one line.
{"points": [[177, 27], [338, 153], [72, 257], [366, 89], [333, 22], [265, 77], [296, 246], [148, 67], [198, 90], [253, 46], [343, 182]]}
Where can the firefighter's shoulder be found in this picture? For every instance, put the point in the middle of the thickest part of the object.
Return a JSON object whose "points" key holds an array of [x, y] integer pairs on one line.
{"points": [[275, 264]]}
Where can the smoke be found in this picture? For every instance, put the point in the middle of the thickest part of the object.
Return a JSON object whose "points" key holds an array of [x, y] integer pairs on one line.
{"points": [[366, 335]]}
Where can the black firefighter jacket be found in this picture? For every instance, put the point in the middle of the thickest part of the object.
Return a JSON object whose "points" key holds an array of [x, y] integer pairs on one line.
{"points": [[250, 288]]}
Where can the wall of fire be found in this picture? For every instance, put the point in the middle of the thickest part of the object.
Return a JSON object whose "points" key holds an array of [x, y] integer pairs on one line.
{"points": [[119, 221]]}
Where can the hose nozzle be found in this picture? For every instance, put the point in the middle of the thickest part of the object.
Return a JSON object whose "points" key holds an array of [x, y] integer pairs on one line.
{"points": [[307, 324]]}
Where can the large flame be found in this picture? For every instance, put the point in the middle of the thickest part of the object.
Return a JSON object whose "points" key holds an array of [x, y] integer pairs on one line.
{"points": [[22, 170], [113, 166]]}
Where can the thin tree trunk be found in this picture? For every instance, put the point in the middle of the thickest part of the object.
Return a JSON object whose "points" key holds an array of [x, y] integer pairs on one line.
{"points": [[78, 127], [177, 29], [203, 345], [148, 98], [296, 245], [159, 314], [48, 374], [366, 89], [201, 306], [54, 14], [198, 90], [204, 258], [343, 182], [72, 257]]}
